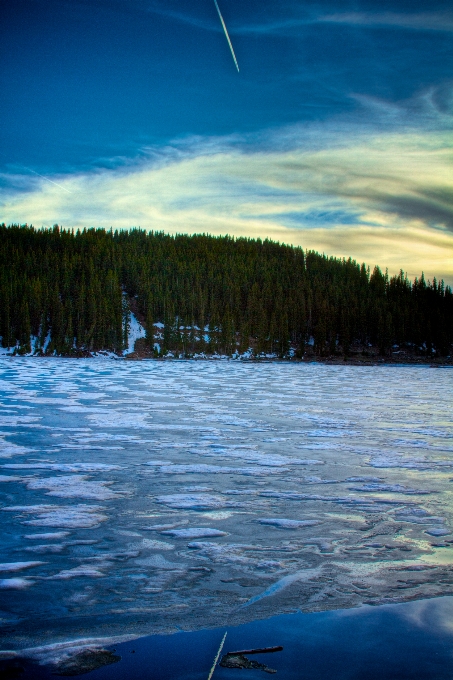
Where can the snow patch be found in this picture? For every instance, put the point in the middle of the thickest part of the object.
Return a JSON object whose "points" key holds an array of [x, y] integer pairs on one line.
{"points": [[136, 331]]}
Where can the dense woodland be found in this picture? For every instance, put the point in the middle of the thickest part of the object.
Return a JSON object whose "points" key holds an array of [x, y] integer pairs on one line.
{"points": [[76, 289]]}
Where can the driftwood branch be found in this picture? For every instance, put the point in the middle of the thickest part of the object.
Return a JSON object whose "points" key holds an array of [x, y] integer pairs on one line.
{"points": [[262, 650]]}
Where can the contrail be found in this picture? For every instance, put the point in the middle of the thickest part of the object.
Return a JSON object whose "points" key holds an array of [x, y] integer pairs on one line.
{"points": [[37, 173], [227, 36], [47, 179]]}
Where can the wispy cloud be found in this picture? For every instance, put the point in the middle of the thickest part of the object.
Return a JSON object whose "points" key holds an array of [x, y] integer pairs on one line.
{"points": [[383, 195], [285, 17], [414, 21], [419, 21]]}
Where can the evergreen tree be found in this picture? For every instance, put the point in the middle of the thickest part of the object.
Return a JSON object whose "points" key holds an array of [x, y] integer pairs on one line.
{"points": [[77, 287]]}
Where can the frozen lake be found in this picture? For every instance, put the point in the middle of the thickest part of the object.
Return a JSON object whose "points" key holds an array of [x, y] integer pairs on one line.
{"points": [[150, 497]]}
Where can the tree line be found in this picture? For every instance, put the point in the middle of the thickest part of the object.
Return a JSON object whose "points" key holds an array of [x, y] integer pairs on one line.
{"points": [[73, 291]]}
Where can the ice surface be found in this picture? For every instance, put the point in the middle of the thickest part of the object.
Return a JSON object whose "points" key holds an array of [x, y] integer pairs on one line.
{"points": [[170, 495]]}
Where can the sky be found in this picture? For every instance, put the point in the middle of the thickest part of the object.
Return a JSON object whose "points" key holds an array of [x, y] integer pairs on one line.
{"points": [[334, 135]]}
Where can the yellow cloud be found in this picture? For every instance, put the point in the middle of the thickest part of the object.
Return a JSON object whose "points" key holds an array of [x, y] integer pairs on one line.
{"points": [[385, 199]]}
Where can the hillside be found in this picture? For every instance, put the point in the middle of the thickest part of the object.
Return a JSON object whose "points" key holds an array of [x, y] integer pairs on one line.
{"points": [[72, 293]]}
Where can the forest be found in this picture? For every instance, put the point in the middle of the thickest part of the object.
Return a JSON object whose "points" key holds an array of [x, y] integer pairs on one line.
{"points": [[74, 292]]}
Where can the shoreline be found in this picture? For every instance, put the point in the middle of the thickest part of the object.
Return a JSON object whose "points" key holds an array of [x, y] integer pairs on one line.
{"points": [[351, 638], [432, 362]]}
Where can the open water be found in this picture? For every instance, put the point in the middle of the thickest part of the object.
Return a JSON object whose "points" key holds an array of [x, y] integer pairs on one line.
{"points": [[409, 641], [153, 497]]}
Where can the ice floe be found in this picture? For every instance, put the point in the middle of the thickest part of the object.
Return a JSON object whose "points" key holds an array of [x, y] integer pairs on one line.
{"points": [[63, 467], [73, 486], [203, 468], [281, 584], [15, 583], [194, 532], [418, 463], [74, 516], [289, 523], [252, 456], [85, 570], [438, 531], [18, 566], [193, 501], [392, 488], [417, 516], [48, 536], [152, 544], [10, 450]]}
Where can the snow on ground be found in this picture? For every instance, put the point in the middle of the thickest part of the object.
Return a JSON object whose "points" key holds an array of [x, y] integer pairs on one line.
{"points": [[136, 331]]}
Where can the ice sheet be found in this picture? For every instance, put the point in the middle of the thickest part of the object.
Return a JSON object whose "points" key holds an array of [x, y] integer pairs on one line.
{"points": [[206, 492]]}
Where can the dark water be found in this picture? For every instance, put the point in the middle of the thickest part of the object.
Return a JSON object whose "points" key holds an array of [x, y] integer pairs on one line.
{"points": [[411, 641]]}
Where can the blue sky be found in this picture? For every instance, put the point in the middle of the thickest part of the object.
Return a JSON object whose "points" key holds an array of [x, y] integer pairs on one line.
{"points": [[335, 134]]}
